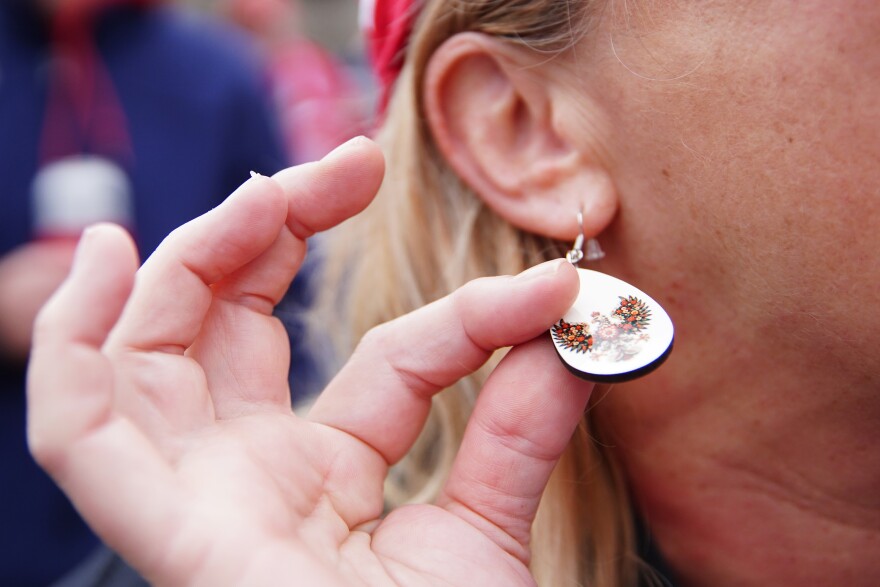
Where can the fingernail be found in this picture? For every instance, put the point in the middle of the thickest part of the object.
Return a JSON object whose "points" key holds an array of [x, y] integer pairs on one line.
{"points": [[346, 145], [545, 269]]}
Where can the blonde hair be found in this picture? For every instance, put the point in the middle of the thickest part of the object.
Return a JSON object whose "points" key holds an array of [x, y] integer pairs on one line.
{"points": [[425, 235]]}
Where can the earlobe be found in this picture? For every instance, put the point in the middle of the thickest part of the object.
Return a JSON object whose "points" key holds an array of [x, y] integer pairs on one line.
{"points": [[495, 118]]}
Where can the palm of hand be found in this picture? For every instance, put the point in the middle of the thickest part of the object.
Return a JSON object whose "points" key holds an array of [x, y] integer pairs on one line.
{"points": [[169, 423], [293, 510]]}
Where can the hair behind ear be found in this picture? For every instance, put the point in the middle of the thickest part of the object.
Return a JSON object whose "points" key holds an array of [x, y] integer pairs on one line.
{"points": [[426, 233]]}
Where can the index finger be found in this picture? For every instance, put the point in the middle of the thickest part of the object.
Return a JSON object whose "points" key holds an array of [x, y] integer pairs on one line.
{"points": [[383, 394]]}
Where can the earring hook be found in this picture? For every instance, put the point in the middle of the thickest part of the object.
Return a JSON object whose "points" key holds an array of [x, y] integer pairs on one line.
{"points": [[577, 249], [594, 251]]}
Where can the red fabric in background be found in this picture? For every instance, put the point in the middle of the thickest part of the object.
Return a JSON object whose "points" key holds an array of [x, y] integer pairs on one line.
{"points": [[392, 24]]}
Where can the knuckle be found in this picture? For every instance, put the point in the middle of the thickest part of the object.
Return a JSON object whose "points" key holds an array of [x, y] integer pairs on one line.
{"points": [[377, 337], [468, 294], [45, 322]]}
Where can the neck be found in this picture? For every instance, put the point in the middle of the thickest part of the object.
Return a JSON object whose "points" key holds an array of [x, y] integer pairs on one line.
{"points": [[752, 474]]}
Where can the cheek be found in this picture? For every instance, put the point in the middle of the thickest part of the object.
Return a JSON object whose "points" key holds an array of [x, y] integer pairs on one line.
{"points": [[759, 172]]}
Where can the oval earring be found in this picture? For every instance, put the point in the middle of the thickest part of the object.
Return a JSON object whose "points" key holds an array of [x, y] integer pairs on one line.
{"points": [[613, 332]]}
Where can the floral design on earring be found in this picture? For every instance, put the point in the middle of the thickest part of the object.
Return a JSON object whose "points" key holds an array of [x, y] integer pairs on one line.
{"points": [[574, 337], [634, 313], [614, 331], [619, 335]]}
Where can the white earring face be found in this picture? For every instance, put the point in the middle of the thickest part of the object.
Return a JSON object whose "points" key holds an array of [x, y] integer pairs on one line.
{"points": [[614, 331]]}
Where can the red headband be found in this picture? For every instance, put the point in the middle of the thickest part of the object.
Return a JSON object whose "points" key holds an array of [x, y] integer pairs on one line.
{"points": [[387, 25]]}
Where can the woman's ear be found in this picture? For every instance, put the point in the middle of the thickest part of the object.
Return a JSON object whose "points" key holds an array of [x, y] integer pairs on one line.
{"points": [[501, 123]]}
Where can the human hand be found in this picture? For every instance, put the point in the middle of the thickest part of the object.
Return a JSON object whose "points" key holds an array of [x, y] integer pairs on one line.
{"points": [[169, 425], [29, 274]]}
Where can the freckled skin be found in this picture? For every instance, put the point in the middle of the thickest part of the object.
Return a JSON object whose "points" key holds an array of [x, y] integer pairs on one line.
{"points": [[750, 201]]}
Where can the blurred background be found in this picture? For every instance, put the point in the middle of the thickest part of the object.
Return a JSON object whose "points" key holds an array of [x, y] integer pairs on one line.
{"points": [[322, 83], [146, 113]]}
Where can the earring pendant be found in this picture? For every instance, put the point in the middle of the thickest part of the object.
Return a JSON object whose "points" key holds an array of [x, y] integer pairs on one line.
{"points": [[613, 332]]}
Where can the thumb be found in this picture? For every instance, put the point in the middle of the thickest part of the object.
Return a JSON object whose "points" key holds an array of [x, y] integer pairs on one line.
{"points": [[522, 422]]}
